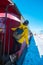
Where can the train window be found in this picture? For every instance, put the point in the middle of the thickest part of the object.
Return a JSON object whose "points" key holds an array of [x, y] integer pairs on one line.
{"points": [[2, 25]]}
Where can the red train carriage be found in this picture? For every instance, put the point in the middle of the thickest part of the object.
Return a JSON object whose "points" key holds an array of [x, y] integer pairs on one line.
{"points": [[9, 17]]}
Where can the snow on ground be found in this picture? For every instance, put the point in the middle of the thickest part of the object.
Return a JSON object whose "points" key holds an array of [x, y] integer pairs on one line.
{"points": [[39, 42]]}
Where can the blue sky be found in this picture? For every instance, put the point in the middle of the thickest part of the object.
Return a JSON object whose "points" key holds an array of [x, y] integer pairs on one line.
{"points": [[33, 11]]}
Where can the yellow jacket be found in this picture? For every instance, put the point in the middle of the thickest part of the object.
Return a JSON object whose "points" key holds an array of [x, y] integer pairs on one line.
{"points": [[24, 34]]}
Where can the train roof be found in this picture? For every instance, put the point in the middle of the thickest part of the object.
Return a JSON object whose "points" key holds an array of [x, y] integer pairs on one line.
{"points": [[12, 8], [4, 2]]}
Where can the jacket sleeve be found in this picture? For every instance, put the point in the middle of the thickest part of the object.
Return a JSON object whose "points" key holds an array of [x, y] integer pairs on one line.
{"points": [[26, 36]]}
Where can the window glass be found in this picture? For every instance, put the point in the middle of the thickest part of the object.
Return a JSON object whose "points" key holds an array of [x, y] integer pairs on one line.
{"points": [[2, 25]]}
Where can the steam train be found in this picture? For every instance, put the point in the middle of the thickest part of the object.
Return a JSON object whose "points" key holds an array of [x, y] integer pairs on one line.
{"points": [[9, 18]]}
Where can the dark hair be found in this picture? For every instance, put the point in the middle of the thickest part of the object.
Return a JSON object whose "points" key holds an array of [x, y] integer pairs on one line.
{"points": [[26, 22]]}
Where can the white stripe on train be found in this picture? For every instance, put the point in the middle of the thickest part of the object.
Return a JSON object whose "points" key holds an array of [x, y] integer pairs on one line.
{"points": [[10, 16]]}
